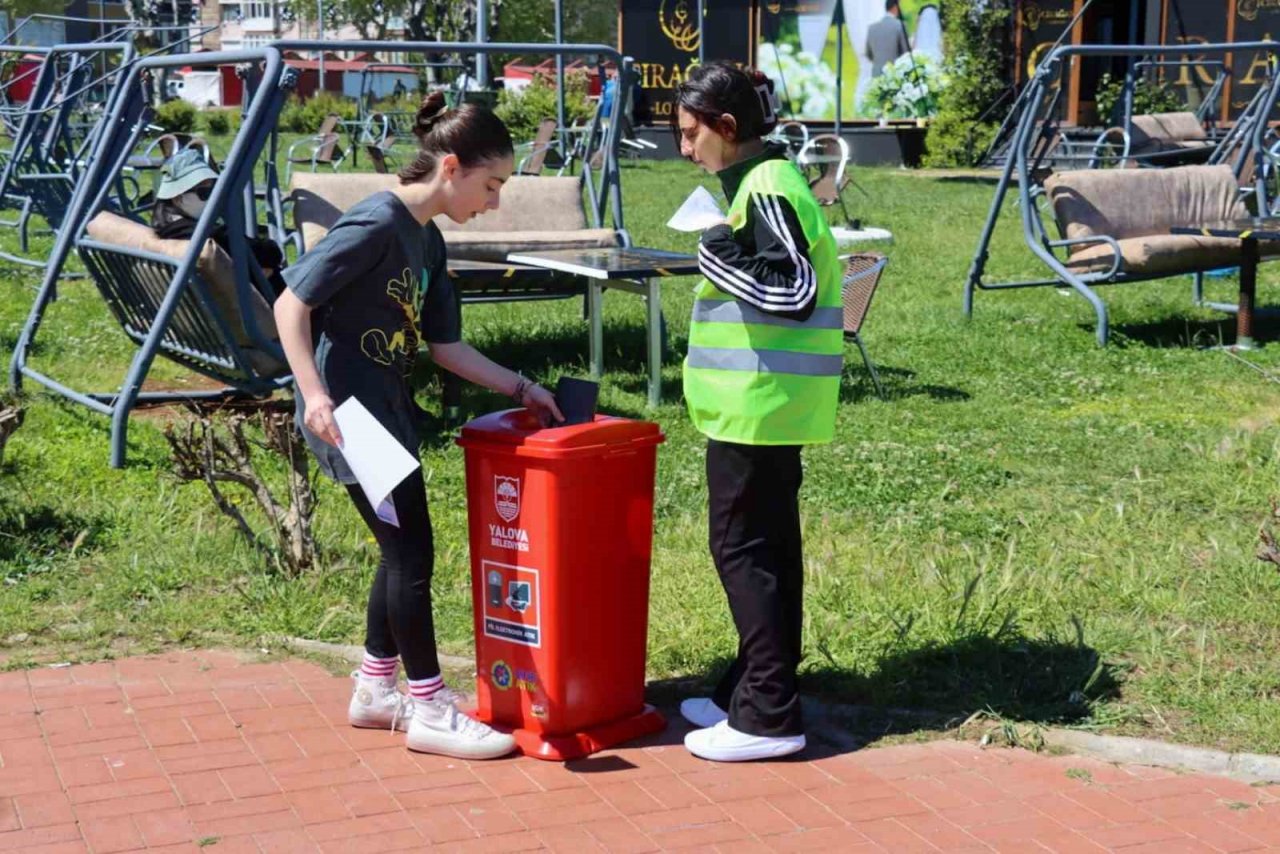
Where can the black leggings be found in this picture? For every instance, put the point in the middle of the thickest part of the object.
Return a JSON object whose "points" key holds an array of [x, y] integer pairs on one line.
{"points": [[399, 616]]}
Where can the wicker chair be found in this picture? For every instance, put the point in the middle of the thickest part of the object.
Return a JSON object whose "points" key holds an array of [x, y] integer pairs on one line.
{"points": [[321, 148], [794, 135], [862, 273], [829, 155], [534, 153], [380, 154]]}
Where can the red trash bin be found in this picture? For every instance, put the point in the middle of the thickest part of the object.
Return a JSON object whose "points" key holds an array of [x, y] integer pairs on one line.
{"points": [[561, 532]]}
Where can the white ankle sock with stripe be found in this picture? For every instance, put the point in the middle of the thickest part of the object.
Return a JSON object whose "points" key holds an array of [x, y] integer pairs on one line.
{"points": [[383, 669], [425, 689]]}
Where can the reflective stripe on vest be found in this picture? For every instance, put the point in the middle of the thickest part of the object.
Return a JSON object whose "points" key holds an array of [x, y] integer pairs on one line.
{"points": [[732, 311], [766, 361]]}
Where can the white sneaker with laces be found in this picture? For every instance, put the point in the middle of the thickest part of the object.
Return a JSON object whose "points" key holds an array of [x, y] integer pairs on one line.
{"points": [[702, 711], [378, 704], [723, 743], [438, 726]]}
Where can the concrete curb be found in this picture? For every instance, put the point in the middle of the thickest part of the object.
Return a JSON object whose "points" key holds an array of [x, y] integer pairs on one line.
{"points": [[846, 726], [1246, 767], [355, 653]]}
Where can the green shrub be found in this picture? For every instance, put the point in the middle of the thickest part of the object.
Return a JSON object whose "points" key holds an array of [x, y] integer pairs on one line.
{"points": [[221, 122], [403, 104], [522, 110], [315, 108], [1149, 96], [975, 60], [292, 119], [299, 116], [176, 116]]}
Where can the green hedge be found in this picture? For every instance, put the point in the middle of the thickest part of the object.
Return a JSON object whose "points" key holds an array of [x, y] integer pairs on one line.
{"points": [[522, 110], [1149, 96], [176, 116], [975, 60], [221, 122], [300, 116]]}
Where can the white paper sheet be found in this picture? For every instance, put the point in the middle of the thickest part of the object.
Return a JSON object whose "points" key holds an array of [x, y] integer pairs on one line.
{"points": [[377, 460], [698, 213], [386, 511]]}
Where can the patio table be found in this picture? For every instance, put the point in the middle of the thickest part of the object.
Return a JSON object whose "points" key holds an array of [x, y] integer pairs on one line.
{"points": [[1248, 231], [634, 270]]}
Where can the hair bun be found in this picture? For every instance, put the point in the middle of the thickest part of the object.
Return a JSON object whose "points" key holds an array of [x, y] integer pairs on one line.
{"points": [[433, 107]]}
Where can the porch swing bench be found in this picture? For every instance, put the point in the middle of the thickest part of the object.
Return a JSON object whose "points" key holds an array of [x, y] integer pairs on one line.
{"points": [[209, 332]]}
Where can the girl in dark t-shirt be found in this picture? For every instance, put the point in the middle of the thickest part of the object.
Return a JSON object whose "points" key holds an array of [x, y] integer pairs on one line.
{"points": [[356, 308]]}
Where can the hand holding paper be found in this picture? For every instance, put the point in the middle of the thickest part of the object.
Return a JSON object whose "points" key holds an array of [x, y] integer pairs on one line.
{"points": [[378, 461], [698, 213]]}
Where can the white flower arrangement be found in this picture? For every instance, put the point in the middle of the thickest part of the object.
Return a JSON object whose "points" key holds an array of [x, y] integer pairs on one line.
{"points": [[907, 89], [805, 85]]}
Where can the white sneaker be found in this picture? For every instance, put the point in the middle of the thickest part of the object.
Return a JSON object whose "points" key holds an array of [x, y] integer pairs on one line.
{"points": [[439, 727], [723, 743], [702, 711], [378, 704]]}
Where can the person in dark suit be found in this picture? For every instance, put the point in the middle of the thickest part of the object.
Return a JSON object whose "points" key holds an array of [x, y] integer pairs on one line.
{"points": [[886, 38]]}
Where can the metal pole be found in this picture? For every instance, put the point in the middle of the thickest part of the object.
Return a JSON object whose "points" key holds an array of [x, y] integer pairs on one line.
{"points": [[562, 133], [482, 36], [320, 31], [702, 42], [839, 63]]}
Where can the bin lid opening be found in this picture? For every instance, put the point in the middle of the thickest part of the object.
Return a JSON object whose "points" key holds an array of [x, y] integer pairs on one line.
{"points": [[519, 428]]}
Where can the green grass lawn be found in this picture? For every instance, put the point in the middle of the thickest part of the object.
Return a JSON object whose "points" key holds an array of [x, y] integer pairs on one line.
{"points": [[1029, 524]]}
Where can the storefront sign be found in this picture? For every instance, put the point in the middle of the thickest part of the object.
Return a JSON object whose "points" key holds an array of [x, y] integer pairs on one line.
{"points": [[663, 36]]}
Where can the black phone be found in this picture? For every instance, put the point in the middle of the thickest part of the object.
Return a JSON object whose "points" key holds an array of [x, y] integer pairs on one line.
{"points": [[577, 400]]}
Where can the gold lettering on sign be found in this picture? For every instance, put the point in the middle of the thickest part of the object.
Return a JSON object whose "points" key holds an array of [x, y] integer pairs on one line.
{"points": [[655, 75], [1033, 61], [1257, 72], [1033, 16], [1184, 71], [1250, 9], [678, 25]]}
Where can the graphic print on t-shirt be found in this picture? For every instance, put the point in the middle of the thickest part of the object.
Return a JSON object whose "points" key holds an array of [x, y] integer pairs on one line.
{"points": [[404, 341]]}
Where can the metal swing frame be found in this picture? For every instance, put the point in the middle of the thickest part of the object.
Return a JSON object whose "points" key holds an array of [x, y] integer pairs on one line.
{"points": [[186, 325], [1023, 170]]}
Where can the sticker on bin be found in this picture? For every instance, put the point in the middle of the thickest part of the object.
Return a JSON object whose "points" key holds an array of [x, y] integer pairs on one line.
{"points": [[503, 676], [506, 496], [512, 606]]}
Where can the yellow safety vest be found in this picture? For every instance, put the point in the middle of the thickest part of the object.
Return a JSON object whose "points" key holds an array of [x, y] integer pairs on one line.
{"points": [[753, 377]]}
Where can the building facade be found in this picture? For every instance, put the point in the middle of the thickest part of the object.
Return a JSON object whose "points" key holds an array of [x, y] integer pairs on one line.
{"points": [[214, 24], [252, 23]]}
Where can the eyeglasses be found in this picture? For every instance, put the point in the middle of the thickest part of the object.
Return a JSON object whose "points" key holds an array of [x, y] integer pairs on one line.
{"points": [[203, 192]]}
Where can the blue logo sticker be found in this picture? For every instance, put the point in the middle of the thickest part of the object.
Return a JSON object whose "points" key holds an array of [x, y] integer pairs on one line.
{"points": [[500, 675]]}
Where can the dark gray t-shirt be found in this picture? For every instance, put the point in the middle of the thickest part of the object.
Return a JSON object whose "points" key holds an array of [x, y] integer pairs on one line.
{"points": [[379, 286]]}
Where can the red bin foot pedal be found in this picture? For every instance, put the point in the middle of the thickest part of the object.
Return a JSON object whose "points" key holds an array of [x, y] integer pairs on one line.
{"points": [[562, 748]]}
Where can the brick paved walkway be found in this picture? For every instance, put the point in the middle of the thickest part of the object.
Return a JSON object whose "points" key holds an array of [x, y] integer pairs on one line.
{"points": [[189, 750]]}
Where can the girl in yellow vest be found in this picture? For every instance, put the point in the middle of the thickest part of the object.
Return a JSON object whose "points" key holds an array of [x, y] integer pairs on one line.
{"points": [[761, 380]]}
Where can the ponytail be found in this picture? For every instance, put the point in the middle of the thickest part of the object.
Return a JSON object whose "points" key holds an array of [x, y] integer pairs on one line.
{"points": [[470, 132]]}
